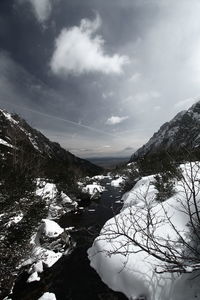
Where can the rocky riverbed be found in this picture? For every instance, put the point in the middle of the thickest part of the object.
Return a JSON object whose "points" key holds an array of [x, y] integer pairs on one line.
{"points": [[71, 277]]}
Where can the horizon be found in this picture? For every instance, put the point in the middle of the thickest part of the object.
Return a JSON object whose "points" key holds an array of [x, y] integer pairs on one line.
{"points": [[109, 102]]}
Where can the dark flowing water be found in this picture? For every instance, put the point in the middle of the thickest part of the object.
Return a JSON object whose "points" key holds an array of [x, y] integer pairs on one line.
{"points": [[72, 278]]}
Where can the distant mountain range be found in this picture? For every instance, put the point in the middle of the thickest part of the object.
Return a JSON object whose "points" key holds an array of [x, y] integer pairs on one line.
{"points": [[108, 162], [178, 137], [19, 141]]}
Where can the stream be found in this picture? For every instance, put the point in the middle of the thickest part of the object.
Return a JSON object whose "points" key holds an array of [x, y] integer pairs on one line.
{"points": [[72, 278]]}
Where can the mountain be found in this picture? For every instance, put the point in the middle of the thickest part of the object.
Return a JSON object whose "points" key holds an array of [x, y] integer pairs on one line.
{"points": [[38, 180], [178, 137], [108, 162], [20, 142]]}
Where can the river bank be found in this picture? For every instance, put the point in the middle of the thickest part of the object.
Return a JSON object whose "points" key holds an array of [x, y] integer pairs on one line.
{"points": [[72, 277]]}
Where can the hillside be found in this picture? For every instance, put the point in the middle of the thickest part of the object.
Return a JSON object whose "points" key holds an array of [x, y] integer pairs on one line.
{"points": [[20, 142], [177, 139], [38, 180]]}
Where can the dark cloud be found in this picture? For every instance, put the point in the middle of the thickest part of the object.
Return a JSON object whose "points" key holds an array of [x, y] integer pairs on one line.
{"points": [[128, 148]]}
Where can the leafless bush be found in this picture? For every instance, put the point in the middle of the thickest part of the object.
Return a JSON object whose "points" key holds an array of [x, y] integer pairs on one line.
{"points": [[141, 226]]}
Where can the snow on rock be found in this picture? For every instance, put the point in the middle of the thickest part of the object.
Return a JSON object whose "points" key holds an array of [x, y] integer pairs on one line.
{"points": [[46, 190], [2, 142], [99, 177], [65, 198], [33, 277], [50, 243], [93, 188], [8, 116], [134, 275], [15, 220], [47, 296], [117, 182], [51, 228], [58, 204], [48, 257]]}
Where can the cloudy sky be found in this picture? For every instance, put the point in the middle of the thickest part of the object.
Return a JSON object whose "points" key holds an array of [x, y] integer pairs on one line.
{"points": [[99, 76]]}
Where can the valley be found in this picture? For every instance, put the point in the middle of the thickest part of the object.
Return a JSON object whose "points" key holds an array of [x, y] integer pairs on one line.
{"points": [[73, 230]]}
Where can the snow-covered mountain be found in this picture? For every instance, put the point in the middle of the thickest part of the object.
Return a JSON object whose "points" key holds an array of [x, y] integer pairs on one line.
{"points": [[17, 136], [180, 134]]}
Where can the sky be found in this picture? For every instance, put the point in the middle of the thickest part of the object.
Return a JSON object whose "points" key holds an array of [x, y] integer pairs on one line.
{"points": [[99, 77]]}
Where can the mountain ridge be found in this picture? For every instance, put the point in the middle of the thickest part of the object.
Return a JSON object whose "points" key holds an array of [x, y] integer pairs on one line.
{"points": [[181, 133], [17, 135]]}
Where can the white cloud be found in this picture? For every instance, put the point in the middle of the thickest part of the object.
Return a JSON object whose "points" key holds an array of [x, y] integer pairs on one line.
{"points": [[41, 8], [116, 120], [79, 50]]}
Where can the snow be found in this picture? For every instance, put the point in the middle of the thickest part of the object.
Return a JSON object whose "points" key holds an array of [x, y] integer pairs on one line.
{"points": [[33, 277], [47, 296], [15, 220], [93, 188], [9, 117], [56, 208], [134, 274], [65, 198], [2, 142], [48, 190], [117, 182], [33, 142], [186, 287], [48, 257], [51, 228], [99, 177], [44, 255]]}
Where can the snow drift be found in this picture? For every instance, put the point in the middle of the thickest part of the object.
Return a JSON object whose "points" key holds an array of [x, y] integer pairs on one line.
{"points": [[125, 266]]}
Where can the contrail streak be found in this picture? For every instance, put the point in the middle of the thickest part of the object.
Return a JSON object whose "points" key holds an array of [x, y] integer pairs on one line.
{"points": [[64, 120]]}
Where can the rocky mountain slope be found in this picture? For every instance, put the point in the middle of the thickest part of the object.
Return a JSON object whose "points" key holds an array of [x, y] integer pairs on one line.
{"points": [[19, 141], [178, 136], [38, 180]]}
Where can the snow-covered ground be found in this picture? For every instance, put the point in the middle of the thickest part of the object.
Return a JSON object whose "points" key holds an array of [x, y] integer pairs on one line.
{"points": [[93, 188], [58, 204], [126, 267], [117, 182], [93, 185], [48, 296], [50, 243]]}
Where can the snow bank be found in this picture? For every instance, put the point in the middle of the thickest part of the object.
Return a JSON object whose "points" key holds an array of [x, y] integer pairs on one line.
{"points": [[46, 190], [48, 257], [123, 266], [58, 204], [47, 296], [93, 188], [51, 228], [33, 277], [117, 182], [50, 243]]}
